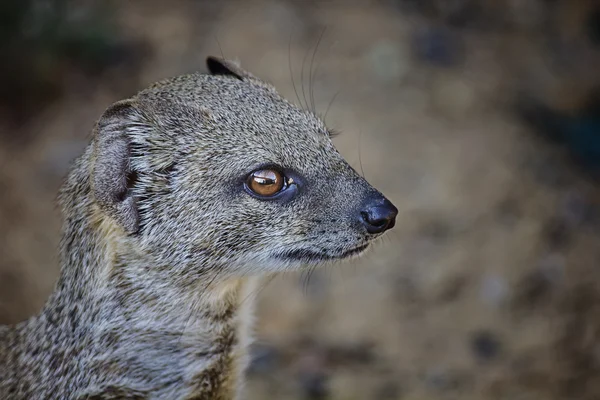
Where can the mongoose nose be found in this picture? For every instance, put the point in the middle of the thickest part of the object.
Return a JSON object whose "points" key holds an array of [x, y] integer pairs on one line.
{"points": [[379, 215]]}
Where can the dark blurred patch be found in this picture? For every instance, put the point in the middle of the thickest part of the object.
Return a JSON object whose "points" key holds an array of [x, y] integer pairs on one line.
{"points": [[536, 289], [314, 385], [577, 346], [547, 168], [460, 13], [438, 46], [263, 359], [311, 366], [358, 353], [43, 43], [556, 234], [578, 133], [389, 390], [10, 289], [485, 346], [593, 26], [472, 15], [351, 354], [407, 292], [438, 230], [578, 211], [508, 212], [439, 379], [453, 288]]}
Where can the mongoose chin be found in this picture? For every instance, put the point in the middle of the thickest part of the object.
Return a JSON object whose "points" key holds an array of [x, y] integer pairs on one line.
{"points": [[189, 191]]}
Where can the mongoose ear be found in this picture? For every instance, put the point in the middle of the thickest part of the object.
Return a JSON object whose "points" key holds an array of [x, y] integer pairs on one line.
{"points": [[111, 170], [219, 66]]}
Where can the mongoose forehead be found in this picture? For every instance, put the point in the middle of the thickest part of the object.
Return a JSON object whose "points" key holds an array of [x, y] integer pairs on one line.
{"points": [[189, 191]]}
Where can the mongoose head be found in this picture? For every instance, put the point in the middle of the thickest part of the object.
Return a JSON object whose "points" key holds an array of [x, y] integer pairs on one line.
{"points": [[220, 167]]}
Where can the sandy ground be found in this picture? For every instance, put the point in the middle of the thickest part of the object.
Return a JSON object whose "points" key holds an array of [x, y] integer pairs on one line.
{"points": [[486, 288]]}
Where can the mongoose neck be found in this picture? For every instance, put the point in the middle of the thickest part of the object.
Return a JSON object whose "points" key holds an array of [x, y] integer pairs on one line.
{"points": [[102, 268], [111, 308]]}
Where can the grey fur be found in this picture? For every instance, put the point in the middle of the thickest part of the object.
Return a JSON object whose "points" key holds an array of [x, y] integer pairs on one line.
{"points": [[162, 245]]}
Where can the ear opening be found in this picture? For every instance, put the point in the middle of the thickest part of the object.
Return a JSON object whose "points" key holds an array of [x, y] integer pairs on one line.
{"points": [[112, 176]]}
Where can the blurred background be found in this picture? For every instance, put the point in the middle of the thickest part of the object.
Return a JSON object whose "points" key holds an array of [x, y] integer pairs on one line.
{"points": [[480, 119]]}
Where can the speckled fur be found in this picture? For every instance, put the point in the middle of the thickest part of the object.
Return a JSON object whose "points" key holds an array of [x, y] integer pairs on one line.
{"points": [[162, 246]]}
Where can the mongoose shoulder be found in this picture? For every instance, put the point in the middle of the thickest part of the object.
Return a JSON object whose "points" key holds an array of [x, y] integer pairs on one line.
{"points": [[188, 192]]}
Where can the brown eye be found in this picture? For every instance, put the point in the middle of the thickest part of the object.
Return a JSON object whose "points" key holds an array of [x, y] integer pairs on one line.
{"points": [[265, 182]]}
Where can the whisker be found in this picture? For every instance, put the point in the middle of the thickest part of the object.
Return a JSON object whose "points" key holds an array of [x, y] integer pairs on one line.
{"points": [[310, 271], [220, 48], [330, 103], [359, 153], [256, 292], [319, 62], [291, 71], [310, 76], [302, 78], [303, 277], [193, 309]]}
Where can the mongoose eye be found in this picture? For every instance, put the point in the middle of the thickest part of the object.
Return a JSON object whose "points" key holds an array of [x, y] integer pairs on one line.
{"points": [[266, 182]]}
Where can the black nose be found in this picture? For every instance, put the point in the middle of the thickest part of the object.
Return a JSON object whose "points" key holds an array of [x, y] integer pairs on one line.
{"points": [[378, 215]]}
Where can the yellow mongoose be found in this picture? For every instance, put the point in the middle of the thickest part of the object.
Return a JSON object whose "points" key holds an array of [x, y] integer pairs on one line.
{"points": [[188, 192]]}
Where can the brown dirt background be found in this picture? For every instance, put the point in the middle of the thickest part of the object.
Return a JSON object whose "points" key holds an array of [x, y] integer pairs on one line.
{"points": [[488, 286]]}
